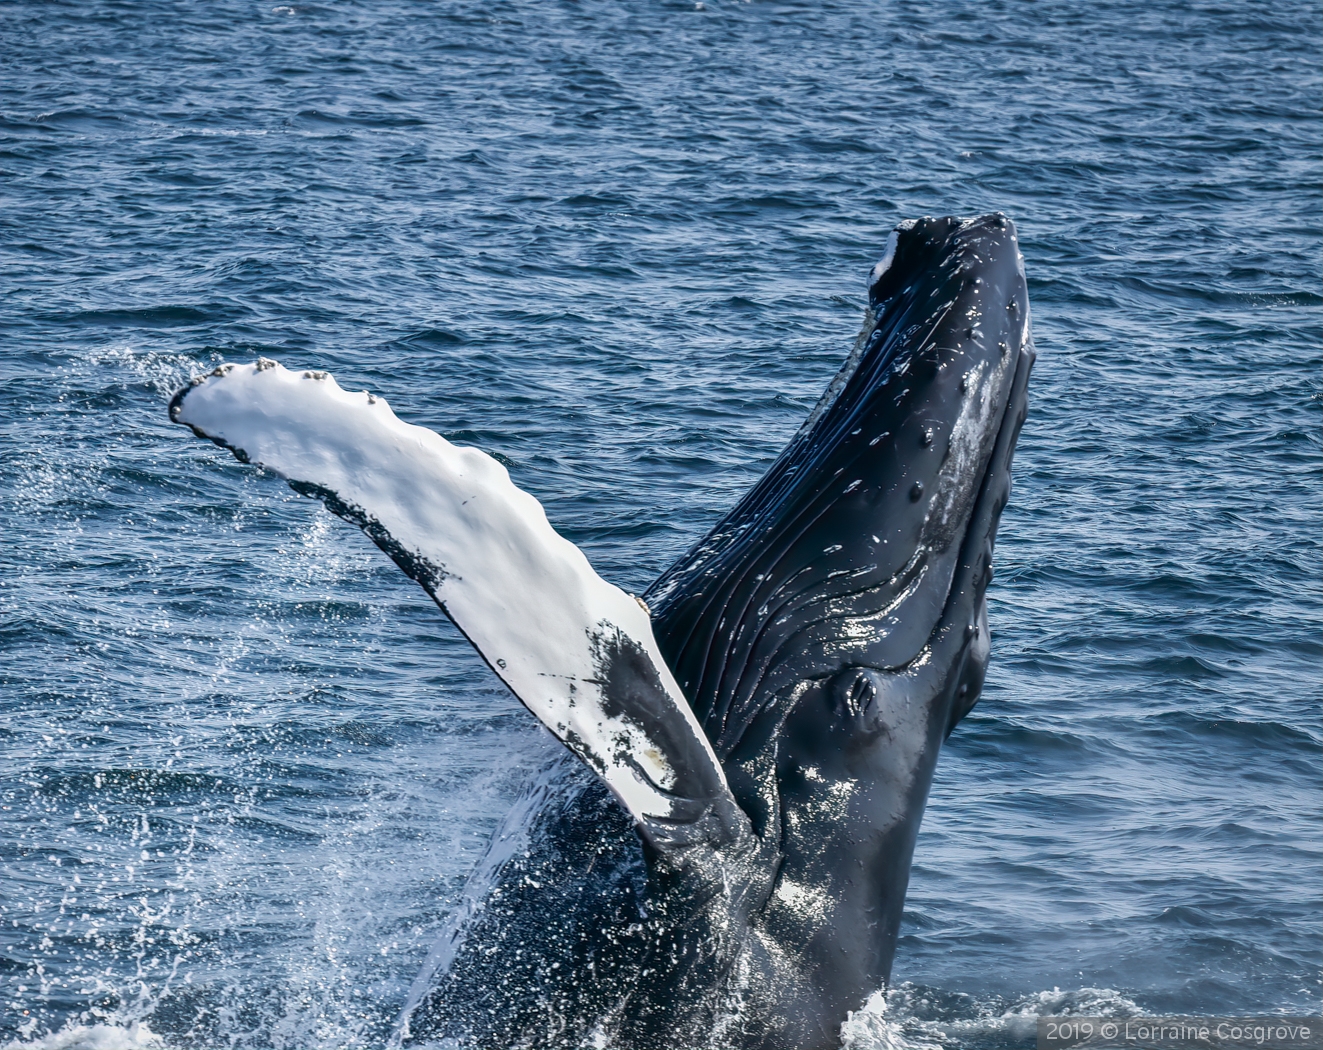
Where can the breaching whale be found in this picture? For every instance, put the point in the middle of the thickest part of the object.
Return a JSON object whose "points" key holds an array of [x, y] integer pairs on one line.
{"points": [[723, 862]]}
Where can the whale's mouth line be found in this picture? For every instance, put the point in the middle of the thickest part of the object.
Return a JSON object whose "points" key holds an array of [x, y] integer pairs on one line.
{"points": [[980, 513]]}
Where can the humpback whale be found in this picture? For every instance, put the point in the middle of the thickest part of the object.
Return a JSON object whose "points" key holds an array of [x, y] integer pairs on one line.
{"points": [[720, 856]]}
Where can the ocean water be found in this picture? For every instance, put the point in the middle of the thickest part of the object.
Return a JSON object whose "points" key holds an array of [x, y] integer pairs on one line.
{"points": [[245, 765]]}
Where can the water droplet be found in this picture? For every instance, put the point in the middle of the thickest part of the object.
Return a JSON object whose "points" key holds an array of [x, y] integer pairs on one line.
{"points": [[916, 493]]}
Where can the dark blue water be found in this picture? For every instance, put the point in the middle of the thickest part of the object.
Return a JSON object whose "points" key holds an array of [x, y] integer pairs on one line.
{"points": [[245, 766]]}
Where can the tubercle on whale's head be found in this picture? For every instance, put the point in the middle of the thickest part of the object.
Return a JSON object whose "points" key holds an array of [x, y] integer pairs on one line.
{"points": [[917, 248]]}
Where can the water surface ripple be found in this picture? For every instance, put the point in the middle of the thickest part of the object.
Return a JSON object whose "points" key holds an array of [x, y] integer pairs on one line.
{"points": [[244, 764]]}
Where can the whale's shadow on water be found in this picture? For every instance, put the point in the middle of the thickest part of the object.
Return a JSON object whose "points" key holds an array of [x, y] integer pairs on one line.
{"points": [[727, 864]]}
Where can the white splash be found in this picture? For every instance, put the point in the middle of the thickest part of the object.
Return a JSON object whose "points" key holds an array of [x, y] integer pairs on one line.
{"points": [[905, 1017], [808, 902], [526, 597], [135, 1036], [510, 838], [870, 1029]]}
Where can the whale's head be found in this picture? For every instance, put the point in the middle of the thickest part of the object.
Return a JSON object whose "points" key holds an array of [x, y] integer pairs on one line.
{"points": [[832, 629]]}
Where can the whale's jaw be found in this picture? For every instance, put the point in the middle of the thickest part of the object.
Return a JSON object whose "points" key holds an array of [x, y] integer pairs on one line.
{"points": [[845, 552]]}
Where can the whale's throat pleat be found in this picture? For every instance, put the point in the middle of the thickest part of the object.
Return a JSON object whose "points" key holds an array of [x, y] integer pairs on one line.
{"points": [[843, 553]]}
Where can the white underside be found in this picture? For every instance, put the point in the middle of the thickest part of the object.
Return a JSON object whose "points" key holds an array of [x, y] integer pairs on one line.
{"points": [[525, 596]]}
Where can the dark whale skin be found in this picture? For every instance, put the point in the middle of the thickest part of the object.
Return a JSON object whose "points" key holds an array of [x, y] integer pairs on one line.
{"points": [[829, 633]]}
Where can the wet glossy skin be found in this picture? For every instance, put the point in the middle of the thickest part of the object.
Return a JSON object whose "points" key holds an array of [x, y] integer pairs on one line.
{"points": [[829, 633]]}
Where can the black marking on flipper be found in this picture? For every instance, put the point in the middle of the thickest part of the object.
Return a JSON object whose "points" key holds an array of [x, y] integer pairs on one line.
{"points": [[703, 810], [419, 569], [414, 565]]}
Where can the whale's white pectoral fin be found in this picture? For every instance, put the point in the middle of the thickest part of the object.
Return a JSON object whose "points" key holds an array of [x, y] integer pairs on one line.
{"points": [[576, 650]]}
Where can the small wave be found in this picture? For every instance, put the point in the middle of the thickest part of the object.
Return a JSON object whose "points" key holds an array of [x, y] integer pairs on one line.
{"points": [[165, 316], [158, 372], [913, 1017], [434, 337], [135, 1036]]}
